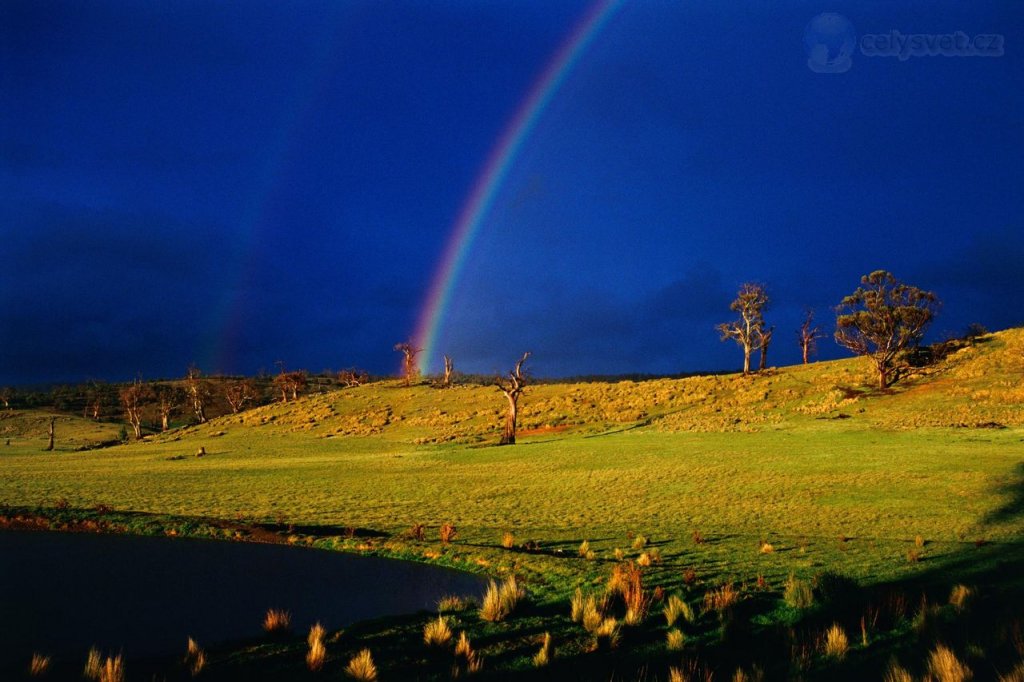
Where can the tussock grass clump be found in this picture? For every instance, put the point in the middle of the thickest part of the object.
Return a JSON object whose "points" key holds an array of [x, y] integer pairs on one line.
{"points": [[798, 594], [960, 597], [361, 667], [644, 560], [741, 675], [584, 548], [944, 666], [639, 542], [112, 669], [835, 643], [508, 540], [463, 649], [546, 652], [674, 639], [698, 538], [94, 664], [897, 673], [766, 548], [677, 608], [606, 635], [914, 555], [1015, 675], [195, 657], [501, 600], [277, 621], [627, 582], [416, 532], [619, 554], [721, 599], [39, 666], [447, 533], [452, 602], [437, 633], [317, 654]]}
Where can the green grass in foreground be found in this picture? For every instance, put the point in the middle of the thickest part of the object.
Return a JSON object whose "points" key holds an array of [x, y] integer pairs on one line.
{"points": [[836, 478]]}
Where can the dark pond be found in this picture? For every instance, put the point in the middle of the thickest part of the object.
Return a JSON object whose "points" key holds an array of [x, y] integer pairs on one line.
{"points": [[62, 593]]}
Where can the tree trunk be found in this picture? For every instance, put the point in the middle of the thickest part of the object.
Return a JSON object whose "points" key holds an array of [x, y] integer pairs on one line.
{"points": [[883, 376], [50, 446], [137, 427], [746, 358], [806, 347], [509, 435], [764, 357], [164, 421]]}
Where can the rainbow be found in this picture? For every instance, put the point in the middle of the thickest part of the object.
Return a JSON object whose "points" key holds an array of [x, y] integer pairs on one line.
{"points": [[501, 158]]}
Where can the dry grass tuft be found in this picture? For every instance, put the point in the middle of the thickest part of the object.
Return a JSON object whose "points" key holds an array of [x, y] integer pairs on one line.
{"points": [[835, 644], [447, 533], [94, 664], [606, 635], [960, 597], [914, 555], [741, 675], [112, 669], [619, 554], [463, 649], [698, 538], [627, 582], [1015, 675], [39, 666], [508, 540], [798, 594], [361, 667], [674, 639], [639, 542], [277, 621], [919, 542], [501, 600], [452, 602], [584, 548], [416, 532], [944, 666], [689, 577], [437, 633], [644, 560], [317, 654], [195, 657], [677, 608], [722, 599], [546, 652], [896, 673], [766, 548]]}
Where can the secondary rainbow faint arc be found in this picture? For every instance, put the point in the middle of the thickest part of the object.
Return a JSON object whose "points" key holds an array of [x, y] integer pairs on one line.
{"points": [[501, 158]]}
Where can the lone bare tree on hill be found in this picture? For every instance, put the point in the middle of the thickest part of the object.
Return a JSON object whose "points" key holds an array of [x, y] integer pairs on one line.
{"points": [[764, 339], [748, 331], [807, 336], [133, 399], [238, 392], [409, 353], [168, 401], [449, 367], [512, 386], [199, 392], [882, 319], [353, 377]]}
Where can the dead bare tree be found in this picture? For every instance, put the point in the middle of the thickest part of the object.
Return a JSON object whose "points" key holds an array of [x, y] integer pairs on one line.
{"points": [[133, 399], [353, 377], [512, 386], [807, 336], [409, 353], [238, 393], [49, 447], [751, 302], [289, 384], [199, 392], [169, 400], [449, 367], [764, 338], [6, 394]]}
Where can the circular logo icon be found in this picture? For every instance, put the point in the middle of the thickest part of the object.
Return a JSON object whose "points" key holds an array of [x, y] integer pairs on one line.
{"points": [[830, 40]]}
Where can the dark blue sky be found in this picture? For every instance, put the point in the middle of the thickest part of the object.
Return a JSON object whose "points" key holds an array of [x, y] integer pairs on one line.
{"points": [[244, 182]]}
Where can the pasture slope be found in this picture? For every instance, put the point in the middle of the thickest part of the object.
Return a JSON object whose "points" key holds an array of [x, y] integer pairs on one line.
{"points": [[800, 475]]}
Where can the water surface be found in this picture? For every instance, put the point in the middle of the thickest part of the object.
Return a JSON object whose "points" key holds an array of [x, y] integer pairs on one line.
{"points": [[63, 592]]}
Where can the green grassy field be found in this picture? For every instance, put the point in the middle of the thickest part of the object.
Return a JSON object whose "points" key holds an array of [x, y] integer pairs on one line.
{"points": [[835, 477]]}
